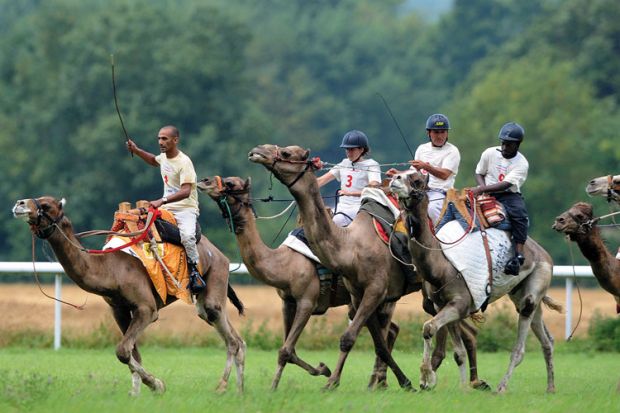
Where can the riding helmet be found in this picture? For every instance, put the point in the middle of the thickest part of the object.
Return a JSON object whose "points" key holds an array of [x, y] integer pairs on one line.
{"points": [[511, 132], [354, 139], [437, 122]]}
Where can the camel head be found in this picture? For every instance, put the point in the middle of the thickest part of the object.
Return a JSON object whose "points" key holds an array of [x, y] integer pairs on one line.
{"points": [[410, 187], [607, 186], [232, 189], [576, 221], [231, 194], [42, 214], [288, 164]]}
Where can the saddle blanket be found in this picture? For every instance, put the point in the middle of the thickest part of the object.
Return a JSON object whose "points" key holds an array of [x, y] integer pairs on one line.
{"points": [[377, 195], [469, 258], [173, 257], [298, 245]]}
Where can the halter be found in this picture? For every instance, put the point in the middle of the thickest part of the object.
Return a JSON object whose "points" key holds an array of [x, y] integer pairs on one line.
{"points": [[227, 213], [44, 233], [613, 189], [314, 162]]}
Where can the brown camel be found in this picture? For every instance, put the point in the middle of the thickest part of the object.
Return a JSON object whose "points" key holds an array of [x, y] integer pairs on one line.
{"points": [[371, 275], [579, 225], [452, 295], [124, 284], [607, 186], [292, 274]]}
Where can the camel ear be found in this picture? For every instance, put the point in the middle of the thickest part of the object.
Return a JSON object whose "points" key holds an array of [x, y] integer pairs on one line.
{"points": [[247, 183], [62, 203]]}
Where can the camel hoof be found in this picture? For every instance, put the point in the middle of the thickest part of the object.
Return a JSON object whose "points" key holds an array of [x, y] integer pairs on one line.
{"points": [[481, 385], [324, 370], [377, 383], [221, 387], [500, 389], [551, 389], [134, 393], [331, 386], [159, 387]]}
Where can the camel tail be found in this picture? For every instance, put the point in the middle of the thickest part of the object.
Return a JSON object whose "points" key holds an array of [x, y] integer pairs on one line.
{"points": [[552, 304], [232, 296]]}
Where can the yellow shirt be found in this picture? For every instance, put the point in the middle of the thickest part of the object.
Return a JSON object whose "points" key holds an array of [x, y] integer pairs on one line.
{"points": [[176, 172]]}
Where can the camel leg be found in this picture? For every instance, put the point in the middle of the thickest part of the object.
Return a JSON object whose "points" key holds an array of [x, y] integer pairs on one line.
{"points": [[296, 316], [449, 313], [389, 331], [382, 351], [366, 307], [460, 353], [468, 334], [517, 352], [132, 323], [546, 343], [235, 346]]}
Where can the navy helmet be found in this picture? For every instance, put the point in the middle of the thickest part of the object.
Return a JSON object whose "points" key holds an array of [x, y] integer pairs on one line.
{"points": [[511, 132], [437, 122], [354, 139]]}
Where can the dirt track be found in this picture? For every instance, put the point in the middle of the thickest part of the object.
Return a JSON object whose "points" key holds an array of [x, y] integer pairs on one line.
{"points": [[24, 307]]}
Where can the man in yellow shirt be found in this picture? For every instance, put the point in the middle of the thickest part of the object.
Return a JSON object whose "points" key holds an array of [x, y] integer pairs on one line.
{"points": [[180, 196]]}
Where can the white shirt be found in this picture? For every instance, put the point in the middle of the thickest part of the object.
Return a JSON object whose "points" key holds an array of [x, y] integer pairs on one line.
{"points": [[355, 177], [496, 168], [176, 172], [446, 157]]}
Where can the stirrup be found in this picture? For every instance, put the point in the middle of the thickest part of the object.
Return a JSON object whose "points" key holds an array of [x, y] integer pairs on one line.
{"points": [[196, 283]]}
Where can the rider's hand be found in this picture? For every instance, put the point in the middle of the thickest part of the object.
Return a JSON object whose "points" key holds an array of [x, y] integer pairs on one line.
{"points": [[131, 146], [157, 203], [391, 172]]}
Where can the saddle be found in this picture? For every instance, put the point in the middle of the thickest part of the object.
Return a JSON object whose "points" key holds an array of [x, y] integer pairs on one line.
{"points": [[167, 268], [164, 228], [488, 213]]}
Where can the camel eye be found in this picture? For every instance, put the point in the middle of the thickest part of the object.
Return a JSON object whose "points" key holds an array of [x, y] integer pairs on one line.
{"points": [[286, 154], [229, 184]]}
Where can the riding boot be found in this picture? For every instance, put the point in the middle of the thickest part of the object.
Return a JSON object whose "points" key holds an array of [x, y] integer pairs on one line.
{"points": [[196, 282], [514, 264]]}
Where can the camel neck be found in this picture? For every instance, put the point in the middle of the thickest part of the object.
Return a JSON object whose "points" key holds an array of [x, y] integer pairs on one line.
{"points": [[426, 252], [605, 266], [80, 266]]}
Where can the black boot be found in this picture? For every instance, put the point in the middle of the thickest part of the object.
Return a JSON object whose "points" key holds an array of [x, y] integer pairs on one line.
{"points": [[196, 282], [513, 265]]}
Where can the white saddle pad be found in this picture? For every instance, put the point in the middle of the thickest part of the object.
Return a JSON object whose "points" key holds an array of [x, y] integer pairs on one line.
{"points": [[379, 196], [469, 258], [296, 244]]}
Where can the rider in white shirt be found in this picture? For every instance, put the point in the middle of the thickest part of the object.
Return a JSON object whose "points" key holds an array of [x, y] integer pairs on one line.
{"points": [[501, 172], [355, 172], [440, 159]]}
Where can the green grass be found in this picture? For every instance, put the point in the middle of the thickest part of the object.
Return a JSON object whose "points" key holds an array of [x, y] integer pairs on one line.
{"points": [[76, 380]]}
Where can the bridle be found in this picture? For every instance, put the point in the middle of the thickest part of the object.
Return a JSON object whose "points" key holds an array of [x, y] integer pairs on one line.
{"points": [[613, 189], [314, 163], [46, 232], [227, 212]]}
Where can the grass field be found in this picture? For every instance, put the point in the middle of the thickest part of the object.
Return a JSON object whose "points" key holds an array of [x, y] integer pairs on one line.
{"points": [[73, 380]]}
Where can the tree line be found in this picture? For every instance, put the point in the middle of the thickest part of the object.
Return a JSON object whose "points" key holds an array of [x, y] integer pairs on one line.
{"points": [[232, 74]]}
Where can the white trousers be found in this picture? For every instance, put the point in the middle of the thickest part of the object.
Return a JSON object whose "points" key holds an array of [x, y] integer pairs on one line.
{"points": [[435, 204], [186, 221]]}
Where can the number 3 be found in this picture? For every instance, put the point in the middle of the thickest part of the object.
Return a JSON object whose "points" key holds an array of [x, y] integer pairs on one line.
{"points": [[349, 181]]}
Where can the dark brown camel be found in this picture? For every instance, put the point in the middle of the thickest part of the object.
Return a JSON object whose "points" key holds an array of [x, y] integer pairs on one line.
{"points": [[579, 225], [607, 186], [292, 274], [124, 284], [452, 295], [371, 275]]}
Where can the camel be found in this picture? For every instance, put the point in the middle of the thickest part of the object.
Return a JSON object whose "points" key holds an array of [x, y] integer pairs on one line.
{"points": [[371, 275], [124, 284], [579, 225], [452, 295], [607, 186], [292, 274]]}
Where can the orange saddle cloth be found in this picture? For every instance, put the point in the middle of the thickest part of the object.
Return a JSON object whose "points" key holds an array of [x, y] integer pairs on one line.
{"points": [[172, 256]]}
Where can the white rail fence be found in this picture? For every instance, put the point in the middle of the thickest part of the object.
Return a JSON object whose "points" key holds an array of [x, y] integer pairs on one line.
{"points": [[560, 271]]}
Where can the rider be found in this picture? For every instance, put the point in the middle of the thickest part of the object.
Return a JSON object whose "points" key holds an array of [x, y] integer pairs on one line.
{"points": [[440, 159], [501, 172], [180, 195], [354, 173]]}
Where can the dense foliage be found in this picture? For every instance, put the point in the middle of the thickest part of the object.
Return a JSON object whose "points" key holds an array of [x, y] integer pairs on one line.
{"points": [[236, 73]]}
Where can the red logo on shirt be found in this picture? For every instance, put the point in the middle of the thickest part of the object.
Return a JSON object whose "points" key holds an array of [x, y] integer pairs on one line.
{"points": [[166, 179]]}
